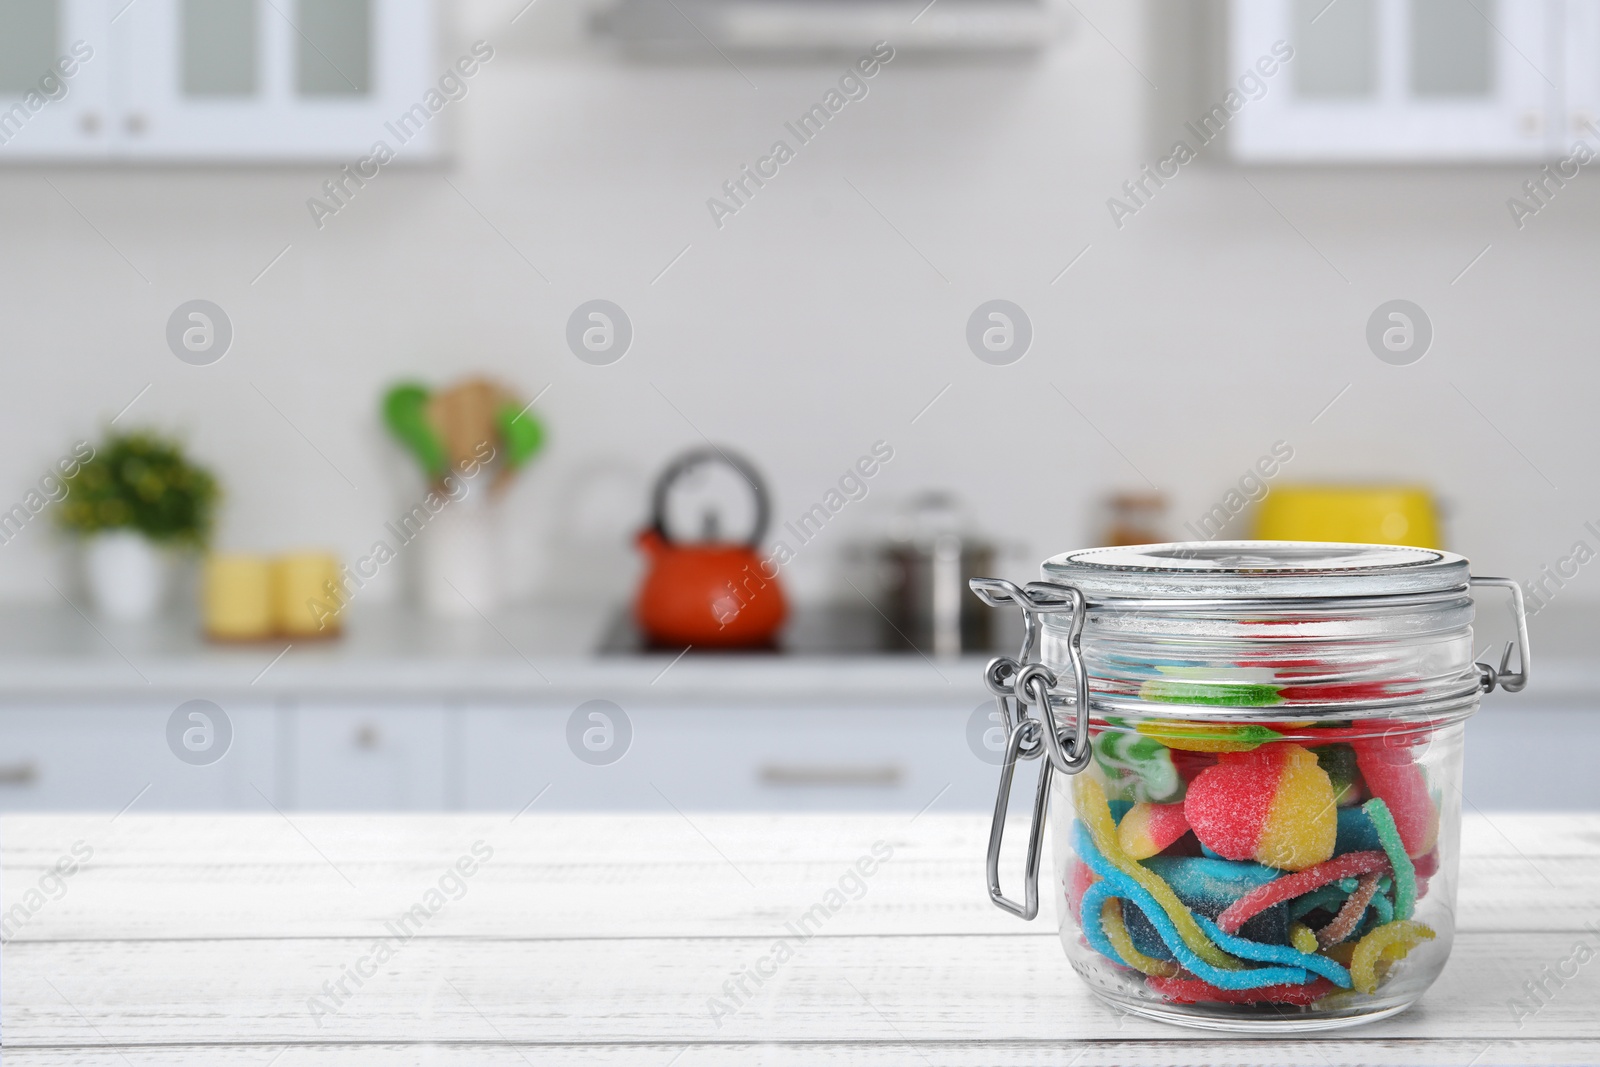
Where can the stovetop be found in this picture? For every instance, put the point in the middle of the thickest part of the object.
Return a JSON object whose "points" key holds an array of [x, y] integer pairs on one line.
{"points": [[827, 630]]}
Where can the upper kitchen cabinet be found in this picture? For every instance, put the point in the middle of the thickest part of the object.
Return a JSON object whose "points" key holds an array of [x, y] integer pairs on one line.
{"points": [[1408, 80], [219, 79]]}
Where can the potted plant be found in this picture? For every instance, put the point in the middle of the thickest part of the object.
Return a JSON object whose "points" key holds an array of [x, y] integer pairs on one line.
{"points": [[135, 504]]}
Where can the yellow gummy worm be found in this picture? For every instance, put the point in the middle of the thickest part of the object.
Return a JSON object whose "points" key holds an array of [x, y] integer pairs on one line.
{"points": [[1302, 937], [1117, 934], [1090, 800], [1391, 941]]}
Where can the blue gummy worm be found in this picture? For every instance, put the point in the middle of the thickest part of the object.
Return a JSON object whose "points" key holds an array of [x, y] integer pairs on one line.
{"points": [[1293, 957], [1328, 896], [1119, 884], [1094, 930]]}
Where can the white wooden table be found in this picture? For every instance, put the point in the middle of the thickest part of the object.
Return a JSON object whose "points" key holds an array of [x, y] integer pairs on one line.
{"points": [[603, 939]]}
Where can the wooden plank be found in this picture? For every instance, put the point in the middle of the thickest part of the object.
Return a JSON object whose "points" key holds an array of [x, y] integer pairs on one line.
{"points": [[174, 877], [916, 989]]}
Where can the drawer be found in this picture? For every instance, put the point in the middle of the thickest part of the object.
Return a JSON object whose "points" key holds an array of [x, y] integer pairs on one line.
{"points": [[772, 757], [354, 756]]}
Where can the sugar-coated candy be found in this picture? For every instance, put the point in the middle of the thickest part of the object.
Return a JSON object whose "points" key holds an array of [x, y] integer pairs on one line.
{"points": [[1391, 775], [1208, 736], [1339, 761], [1286, 955], [1405, 880], [1116, 882], [1208, 887], [1150, 828], [1100, 832], [1194, 991], [1391, 941], [1356, 832], [1273, 804], [1302, 937], [1116, 934], [1143, 760], [1350, 913], [1293, 885], [1209, 694], [1081, 879]]}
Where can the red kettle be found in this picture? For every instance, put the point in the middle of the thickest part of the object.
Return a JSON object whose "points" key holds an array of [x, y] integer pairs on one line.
{"points": [[710, 594]]}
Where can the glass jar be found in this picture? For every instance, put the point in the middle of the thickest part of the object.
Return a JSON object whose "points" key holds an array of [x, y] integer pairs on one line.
{"points": [[1253, 750]]}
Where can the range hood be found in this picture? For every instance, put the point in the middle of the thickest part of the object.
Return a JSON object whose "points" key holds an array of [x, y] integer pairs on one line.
{"points": [[781, 27]]}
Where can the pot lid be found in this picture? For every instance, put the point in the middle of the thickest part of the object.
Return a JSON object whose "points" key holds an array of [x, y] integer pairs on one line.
{"points": [[1256, 569]]}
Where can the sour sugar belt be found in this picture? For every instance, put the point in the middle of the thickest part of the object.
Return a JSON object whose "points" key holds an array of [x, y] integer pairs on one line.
{"points": [[1253, 863]]}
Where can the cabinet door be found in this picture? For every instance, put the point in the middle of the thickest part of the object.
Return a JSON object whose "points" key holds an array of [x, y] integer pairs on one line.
{"points": [[273, 79], [1396, 80], [369, 757], [54, 77], [79, 757]]}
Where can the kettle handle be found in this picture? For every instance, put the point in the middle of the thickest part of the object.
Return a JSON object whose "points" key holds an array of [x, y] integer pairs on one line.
{"points": [[710, 454]]}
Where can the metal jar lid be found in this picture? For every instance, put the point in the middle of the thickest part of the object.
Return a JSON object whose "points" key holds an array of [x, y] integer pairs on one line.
{"points": [[1252, 570]]}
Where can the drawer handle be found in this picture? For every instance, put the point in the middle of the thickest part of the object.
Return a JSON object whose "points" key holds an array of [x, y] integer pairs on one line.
{"points": [[25, 773], [883, 776]]}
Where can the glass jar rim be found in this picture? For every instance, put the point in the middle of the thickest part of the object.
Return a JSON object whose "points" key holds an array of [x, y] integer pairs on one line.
{"points": [[1256, 570]]}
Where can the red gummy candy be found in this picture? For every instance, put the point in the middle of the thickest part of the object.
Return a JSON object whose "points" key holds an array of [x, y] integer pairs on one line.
{"points": [[1195, 991], [1397, 781]]}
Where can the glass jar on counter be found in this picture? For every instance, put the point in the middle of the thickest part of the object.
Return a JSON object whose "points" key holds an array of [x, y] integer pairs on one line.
{"points": [[1253, 750]]}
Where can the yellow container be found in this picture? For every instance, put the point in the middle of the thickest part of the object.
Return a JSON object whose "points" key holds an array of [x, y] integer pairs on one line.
{"points": [[236, 598], [306, 598], [1373, 515]]}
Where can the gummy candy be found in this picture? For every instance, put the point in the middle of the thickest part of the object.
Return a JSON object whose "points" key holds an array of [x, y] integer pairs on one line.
{"points": [[1350, 914], [1405, 881], [1211, 694], [1145, 760], [1301, 937], [1391, 941], [1209, 886], [1284, 954], [1292, 885], [1273, 804], [1117, 934], [1340, 763], [1194, 991], [1392, 776], [1096, 825], [1209, 736], [1150, 828]]}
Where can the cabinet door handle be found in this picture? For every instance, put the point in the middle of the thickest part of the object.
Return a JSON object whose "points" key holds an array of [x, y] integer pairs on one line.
{"points": [[24, 773], [879, 776]]}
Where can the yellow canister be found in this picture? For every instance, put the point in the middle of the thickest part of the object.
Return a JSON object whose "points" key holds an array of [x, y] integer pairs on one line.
{"points": [[236, 597], [1375, 515], [306, 598]]}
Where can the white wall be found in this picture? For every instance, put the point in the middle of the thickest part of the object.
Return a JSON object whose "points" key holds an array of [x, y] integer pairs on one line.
{"points": [[1193, 338]]}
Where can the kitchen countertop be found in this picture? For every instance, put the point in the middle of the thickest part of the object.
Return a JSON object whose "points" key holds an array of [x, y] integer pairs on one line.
{"points": [[221, 940], [545, 651]]}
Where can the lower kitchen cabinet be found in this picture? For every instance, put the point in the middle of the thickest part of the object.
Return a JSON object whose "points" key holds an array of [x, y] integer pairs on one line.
{"points": [[349, 754], [375, 756], [102, 757], [729, 757]]}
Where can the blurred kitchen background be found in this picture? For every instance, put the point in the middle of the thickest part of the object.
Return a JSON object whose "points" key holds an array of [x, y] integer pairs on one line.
{"points": [[1180, 337]]}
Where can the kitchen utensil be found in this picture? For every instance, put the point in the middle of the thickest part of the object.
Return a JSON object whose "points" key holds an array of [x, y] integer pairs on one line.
{"points": [[923, 573], [471, 424], [1384, 515], [1256, 774], [711, 593]]}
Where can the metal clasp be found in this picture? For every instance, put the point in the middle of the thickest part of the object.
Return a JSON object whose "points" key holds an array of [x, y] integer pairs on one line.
{"points": [[1490, 676], [1019, 685]]}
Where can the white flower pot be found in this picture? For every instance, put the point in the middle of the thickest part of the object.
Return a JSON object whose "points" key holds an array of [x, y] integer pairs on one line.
{"points": [[128, 575]]}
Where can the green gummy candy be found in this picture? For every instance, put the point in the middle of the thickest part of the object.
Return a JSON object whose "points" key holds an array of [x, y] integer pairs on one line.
{"points": [[1338, 761], [1405, 875], [1145, 759], [1211, 694]]}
